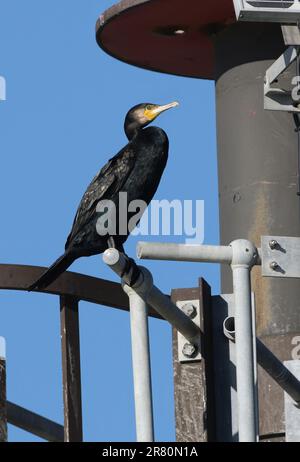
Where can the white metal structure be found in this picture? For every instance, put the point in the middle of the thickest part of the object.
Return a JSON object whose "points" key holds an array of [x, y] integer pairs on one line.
{"points": [[241, 255], [281, 11]]}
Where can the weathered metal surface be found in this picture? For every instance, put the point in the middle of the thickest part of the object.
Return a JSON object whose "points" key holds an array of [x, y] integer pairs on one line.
{"points": [[165, 35], [194, 406], [258, 185], [291, 34], [71, 369], [3, 407], [34, 423], [292, 412], [277, 98], [80, 286], [280, 256], [271, 396], [224, 371]]}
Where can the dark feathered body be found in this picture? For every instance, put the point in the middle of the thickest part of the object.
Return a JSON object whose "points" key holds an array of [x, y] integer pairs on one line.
{"points": [[136, 170]]}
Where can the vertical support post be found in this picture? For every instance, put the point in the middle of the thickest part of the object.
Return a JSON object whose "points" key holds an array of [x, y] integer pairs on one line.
{"points": [[69, 320], [141, 366], [255, 185], [193, 381], [245, 368], [244, 256], [3, 406]]}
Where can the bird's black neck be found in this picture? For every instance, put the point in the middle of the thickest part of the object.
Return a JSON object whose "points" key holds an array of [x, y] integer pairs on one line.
{"points": [[132, 129]]}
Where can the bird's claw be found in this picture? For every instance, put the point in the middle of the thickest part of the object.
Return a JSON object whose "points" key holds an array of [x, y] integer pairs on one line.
{"points": [[131, 272]]}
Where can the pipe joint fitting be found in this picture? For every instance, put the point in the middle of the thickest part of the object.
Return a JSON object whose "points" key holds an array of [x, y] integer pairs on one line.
{"points": [[244, 253], [143, 285]]}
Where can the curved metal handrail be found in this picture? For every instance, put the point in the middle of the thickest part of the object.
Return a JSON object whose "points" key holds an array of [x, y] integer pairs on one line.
{"points": [[75, 285]]}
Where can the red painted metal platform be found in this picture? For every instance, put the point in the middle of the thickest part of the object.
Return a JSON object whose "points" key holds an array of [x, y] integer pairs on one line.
{"points": [[171, 36]]}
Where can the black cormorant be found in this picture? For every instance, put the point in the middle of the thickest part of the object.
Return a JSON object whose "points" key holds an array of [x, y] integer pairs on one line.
{"points": [[135, 170]]}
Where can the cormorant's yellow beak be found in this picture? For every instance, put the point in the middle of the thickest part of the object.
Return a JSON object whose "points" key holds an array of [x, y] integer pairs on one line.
{"points": [[155, 111]]}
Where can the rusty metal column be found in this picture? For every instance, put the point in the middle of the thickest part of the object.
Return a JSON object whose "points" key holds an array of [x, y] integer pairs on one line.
{"points": [[257, 160], [71, 369], [3, 406], [194, 382]]}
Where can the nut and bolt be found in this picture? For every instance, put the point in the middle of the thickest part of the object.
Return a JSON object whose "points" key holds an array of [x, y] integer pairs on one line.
{"points": [[190, 310], [189, 350], [274, 265], [273, 244]]}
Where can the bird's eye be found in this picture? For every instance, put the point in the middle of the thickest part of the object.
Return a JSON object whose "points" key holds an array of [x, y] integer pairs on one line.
{"points": [[148, 107]]}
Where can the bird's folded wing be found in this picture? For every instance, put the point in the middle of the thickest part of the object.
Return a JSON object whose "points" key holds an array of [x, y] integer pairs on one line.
{"points": [[108, 182]]}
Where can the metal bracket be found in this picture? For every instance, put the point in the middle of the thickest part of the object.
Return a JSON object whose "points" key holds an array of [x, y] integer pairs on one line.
{"points": [[186, 351], [287, 13], [292, 412], [276, 99], [291, 34], [280, 256], [283, 11]]}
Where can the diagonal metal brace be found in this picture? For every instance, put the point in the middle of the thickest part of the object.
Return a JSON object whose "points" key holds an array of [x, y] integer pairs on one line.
{"points": [[276, 99]]}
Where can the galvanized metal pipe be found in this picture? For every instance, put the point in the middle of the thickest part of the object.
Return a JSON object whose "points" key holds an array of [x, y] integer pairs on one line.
{"points": [[155, 298], [141, 366], [184, 252], [242, 255], [244, 356], [243, 259]]}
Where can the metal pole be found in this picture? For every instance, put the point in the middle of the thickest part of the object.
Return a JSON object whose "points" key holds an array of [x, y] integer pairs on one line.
{"points": [[244, 355], [242, 255], [141, 366], [154, 297], [3, 405], [245, 338], [184, 252]]}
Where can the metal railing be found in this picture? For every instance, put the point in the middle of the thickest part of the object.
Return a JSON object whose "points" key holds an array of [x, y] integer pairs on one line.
{"points": [[144, 299], [71, 289], [241, 255]]}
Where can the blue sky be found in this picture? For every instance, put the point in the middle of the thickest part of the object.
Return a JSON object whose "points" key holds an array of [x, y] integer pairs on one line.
{"points": [[63, 118]]}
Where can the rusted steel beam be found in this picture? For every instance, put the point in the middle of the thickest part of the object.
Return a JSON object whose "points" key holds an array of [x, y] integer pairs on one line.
{"points": [[79, 286], [34, 423], [3, 407], [71, 369], [193, 381]]}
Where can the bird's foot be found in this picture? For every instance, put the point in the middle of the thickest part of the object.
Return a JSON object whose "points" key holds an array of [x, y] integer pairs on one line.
{"points": [[131, 271]]}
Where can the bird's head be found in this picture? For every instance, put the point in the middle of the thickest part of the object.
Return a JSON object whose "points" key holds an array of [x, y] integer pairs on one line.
{"points": [[142, 115]]}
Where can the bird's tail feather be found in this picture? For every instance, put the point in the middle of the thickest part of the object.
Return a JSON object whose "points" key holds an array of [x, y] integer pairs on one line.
{"points": [[52, 273]]}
